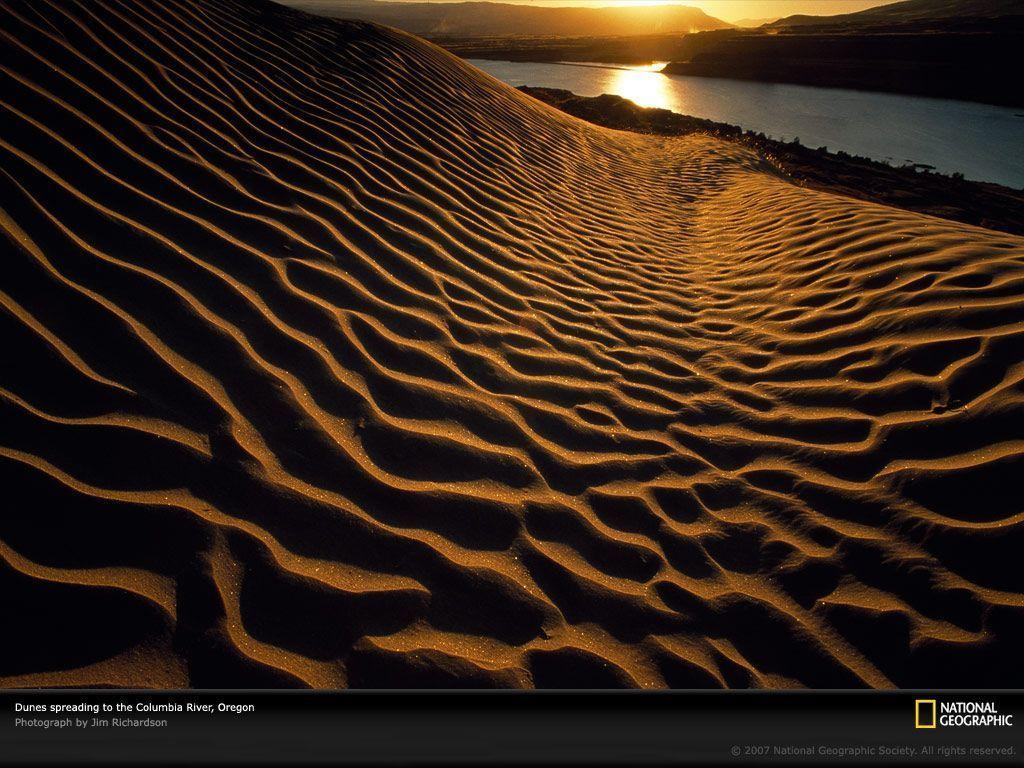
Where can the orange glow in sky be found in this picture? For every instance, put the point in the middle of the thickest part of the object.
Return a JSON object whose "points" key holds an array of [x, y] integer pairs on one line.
{"points": [[729, 10]]}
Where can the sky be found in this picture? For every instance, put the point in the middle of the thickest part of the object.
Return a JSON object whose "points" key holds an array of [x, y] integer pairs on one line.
{"points": [[731, 10]]}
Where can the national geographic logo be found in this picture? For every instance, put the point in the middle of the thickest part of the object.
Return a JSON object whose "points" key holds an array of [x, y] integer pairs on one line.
{"points": [[930, 713], [924, 713]]}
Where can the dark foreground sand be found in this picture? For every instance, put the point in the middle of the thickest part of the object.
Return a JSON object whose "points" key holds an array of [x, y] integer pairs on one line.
{"points": [[329, 360]]}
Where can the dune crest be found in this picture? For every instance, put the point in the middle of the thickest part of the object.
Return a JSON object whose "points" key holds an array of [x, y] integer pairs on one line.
{"points": [[331, 361]]}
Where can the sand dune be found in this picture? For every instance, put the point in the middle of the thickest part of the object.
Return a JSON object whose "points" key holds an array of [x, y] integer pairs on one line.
{"points": [[329, 360]]}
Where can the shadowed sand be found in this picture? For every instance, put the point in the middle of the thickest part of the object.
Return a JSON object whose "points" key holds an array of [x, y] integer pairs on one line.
{"points": [[330, 360]]}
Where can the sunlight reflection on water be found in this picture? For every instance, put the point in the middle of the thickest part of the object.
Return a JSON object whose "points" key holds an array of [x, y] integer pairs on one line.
{"points": [[645, 86]]}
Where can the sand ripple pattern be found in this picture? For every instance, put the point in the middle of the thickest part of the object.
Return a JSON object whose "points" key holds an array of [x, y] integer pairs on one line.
{"points": [[331, 361]]}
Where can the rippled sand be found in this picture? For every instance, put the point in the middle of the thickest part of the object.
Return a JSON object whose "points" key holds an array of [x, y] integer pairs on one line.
{"points": [[330, 360]]}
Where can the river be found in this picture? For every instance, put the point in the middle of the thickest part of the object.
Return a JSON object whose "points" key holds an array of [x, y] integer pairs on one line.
{"points": [[983, 142]]}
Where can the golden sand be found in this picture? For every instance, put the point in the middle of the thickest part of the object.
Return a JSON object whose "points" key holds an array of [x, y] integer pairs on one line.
{"points": [[330, 360]]}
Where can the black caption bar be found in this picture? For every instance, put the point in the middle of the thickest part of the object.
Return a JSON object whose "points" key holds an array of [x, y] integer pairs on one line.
{"points": [[631, 728]]}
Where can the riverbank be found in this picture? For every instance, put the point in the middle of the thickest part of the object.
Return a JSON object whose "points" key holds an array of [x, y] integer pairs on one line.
{"points": [[964, 66], [628, 50], [910, 187]]}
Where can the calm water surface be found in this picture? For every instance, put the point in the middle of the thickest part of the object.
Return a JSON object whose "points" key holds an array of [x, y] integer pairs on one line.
{"points": [[982, 142]]}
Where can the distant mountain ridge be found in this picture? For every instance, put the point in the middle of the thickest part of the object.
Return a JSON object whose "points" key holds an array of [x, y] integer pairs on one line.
{"points": [[469, 19], [750, 23], [909, 12]]}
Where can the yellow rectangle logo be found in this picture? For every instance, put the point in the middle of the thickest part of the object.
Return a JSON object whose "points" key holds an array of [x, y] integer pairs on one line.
{"points": [[924, 713]]}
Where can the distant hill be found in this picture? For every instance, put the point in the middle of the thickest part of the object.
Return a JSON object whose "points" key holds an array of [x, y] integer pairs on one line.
{"points": [[470, 19], [748, 23], [912, 12]]}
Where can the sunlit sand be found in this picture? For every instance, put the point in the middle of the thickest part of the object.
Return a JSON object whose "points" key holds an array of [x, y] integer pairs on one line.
{"points": [[333, 361]]}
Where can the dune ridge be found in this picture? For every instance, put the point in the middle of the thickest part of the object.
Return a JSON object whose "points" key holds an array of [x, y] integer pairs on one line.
{"points": [[331, 361]]}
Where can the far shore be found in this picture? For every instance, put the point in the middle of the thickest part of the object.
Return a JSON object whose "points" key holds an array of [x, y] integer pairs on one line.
{"points": [[967, 66]]}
